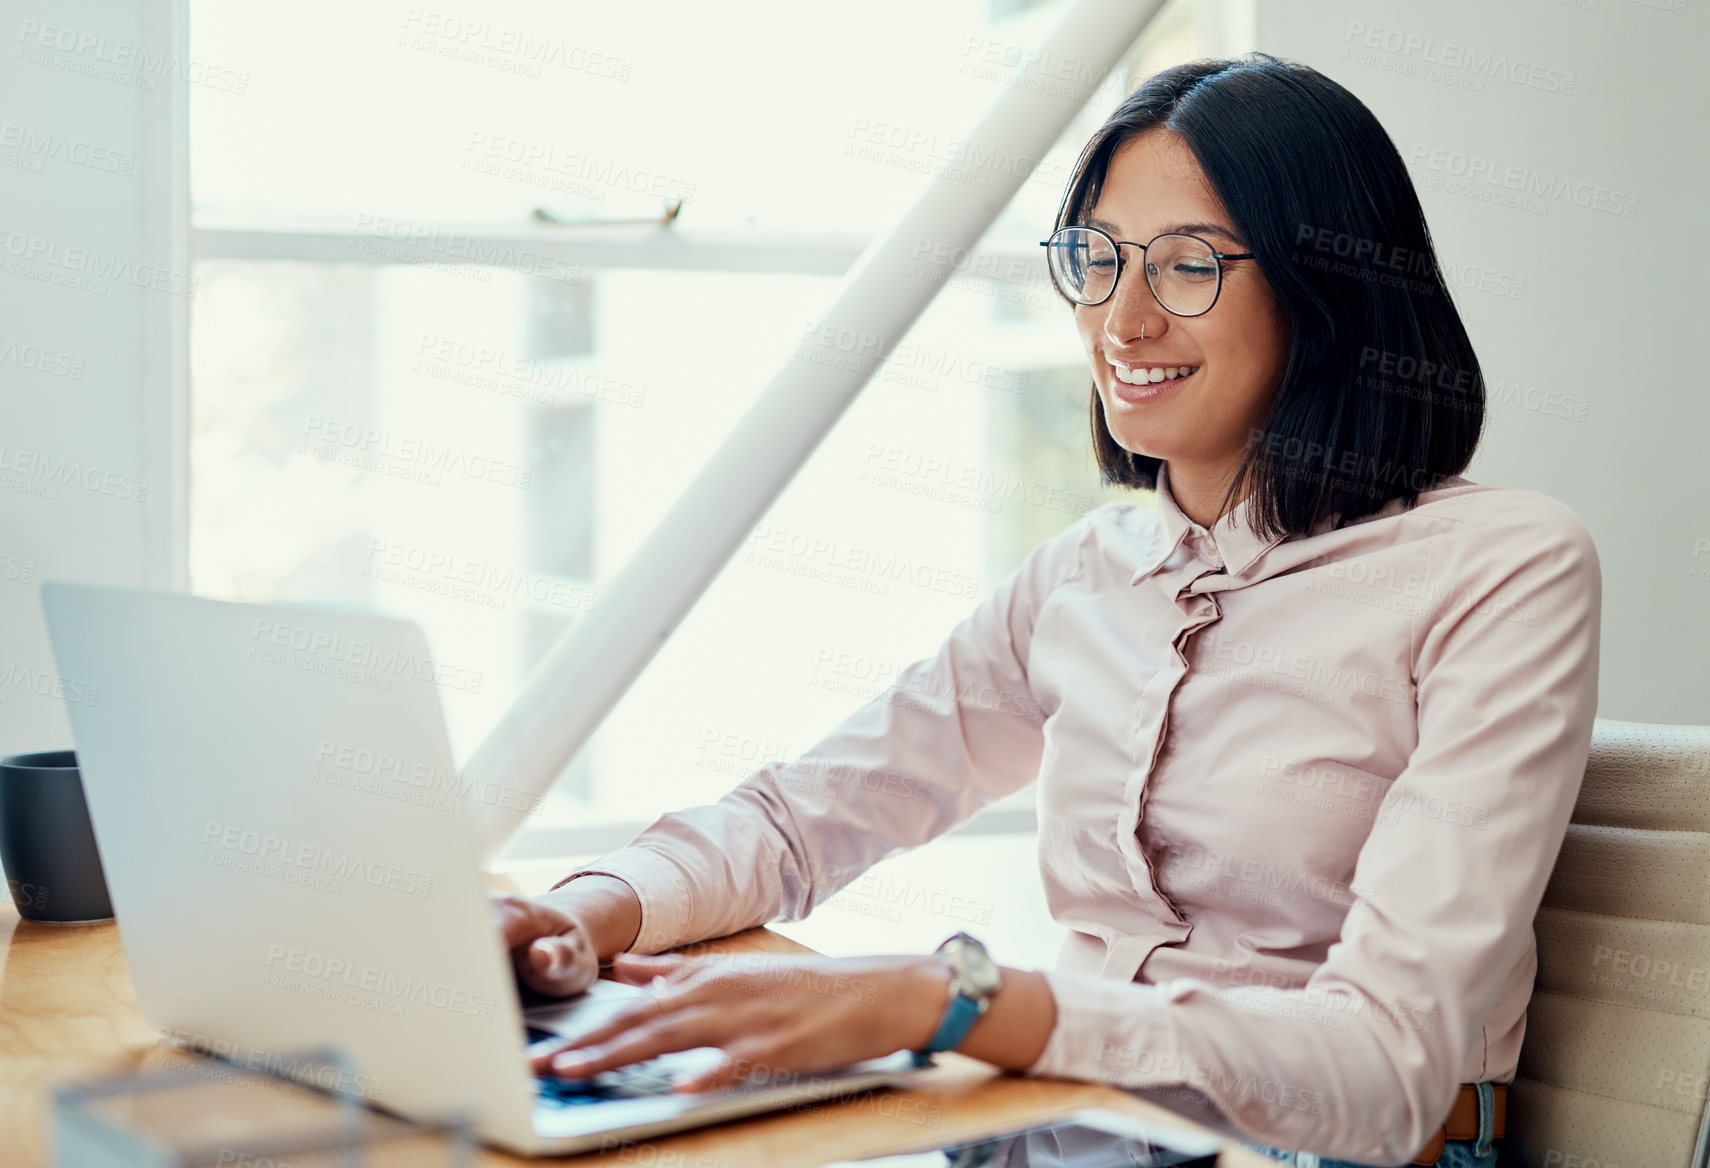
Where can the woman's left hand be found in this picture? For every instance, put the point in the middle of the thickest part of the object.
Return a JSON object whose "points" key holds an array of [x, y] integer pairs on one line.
{"points": [[769, 1013]]}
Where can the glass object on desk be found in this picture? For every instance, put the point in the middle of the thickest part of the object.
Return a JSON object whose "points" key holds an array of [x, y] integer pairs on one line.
{"points": [[303, 1110], [1092, 1137]]}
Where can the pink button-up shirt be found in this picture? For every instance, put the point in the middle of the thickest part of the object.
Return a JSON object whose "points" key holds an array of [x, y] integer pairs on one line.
{"points": [[1298, 799]]}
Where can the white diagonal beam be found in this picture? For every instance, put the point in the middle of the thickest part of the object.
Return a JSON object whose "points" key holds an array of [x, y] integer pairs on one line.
{"points": [[593, 664]]}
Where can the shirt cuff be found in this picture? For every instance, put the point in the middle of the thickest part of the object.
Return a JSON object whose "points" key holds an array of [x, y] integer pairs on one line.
{"points": [[1109, 1031], [660, 887]]}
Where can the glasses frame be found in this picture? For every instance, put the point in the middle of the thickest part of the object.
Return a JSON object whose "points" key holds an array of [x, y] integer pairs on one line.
{"points": [[1116, 245]]}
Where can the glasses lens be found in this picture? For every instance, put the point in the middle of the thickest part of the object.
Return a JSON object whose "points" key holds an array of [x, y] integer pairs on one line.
{"points": [[1083, 264], [1183, 273]]}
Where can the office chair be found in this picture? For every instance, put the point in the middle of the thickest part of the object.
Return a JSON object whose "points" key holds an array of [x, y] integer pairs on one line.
{"points": [[1616, 1057]]}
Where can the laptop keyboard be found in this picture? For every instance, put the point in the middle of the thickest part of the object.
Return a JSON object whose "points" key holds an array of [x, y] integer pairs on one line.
{"points": [[632, 1082]]}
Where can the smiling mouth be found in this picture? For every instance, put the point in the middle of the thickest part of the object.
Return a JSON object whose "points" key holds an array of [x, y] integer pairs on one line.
{"points": [[1151, 374]]}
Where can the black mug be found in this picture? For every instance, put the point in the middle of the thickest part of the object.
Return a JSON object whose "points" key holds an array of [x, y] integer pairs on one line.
{"points": [[47, 844]]}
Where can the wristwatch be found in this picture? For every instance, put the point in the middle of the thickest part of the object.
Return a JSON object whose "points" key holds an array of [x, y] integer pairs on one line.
{"points": [[974, 978]]}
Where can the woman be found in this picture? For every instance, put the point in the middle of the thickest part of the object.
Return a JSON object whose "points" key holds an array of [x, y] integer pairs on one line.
{"points": [[1307, 735]]}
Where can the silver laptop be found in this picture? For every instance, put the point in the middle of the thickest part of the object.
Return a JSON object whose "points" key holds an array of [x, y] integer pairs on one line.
{"points": [[287, 846]]}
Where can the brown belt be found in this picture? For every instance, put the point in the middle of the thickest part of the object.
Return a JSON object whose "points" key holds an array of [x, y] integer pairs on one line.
{"points": [[1462, 1123]]}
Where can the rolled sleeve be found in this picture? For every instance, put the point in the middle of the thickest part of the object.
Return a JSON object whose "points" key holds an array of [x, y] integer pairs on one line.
{"points": [[1363, 1061]]}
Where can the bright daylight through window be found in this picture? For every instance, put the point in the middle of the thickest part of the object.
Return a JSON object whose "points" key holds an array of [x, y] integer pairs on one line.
{"points": [[478, 446]]}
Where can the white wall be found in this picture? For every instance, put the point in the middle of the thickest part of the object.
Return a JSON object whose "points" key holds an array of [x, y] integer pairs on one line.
{"points": [[93, 296], [1605, 308]]}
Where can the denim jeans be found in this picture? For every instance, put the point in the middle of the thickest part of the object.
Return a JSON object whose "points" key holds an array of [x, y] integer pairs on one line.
{"points": [[1456, 1153]]}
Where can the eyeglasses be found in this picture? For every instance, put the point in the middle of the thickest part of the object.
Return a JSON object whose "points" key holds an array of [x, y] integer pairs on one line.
{"points": [[1184, 272]]}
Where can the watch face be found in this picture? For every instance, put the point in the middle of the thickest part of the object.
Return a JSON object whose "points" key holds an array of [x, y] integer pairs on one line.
{"points": [[972, 963], [982, 970]]}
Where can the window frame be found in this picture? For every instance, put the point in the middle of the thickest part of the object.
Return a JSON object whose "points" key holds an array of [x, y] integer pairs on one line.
{"points": [[625, 247]]}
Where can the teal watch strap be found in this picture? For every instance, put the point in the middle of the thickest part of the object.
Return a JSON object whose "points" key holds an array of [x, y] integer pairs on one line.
{"points": [[974, 978], [958, 1020]]}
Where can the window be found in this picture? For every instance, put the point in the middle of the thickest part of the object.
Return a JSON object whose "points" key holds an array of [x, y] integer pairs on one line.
{"points": [[480, 445]]}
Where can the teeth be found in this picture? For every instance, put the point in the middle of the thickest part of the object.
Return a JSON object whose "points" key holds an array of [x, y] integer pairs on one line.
{"points": [[1152, 374]]}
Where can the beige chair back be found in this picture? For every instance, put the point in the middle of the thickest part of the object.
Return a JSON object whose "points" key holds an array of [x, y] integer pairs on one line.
{"points": [[1616, 1058]]}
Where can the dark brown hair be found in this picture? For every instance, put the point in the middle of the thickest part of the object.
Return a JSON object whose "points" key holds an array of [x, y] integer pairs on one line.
{"points": [[1381, 396]]}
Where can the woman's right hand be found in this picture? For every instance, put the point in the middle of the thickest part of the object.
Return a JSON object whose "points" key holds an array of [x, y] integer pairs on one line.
{"points": [[558, 939], [552, 952]]}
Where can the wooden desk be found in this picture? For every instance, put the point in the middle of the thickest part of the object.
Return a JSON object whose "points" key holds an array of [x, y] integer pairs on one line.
{"points": [[67, 1012]]}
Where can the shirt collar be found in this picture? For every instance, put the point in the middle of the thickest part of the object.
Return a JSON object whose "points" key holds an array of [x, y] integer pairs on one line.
{"points": [[1231, 539]]}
